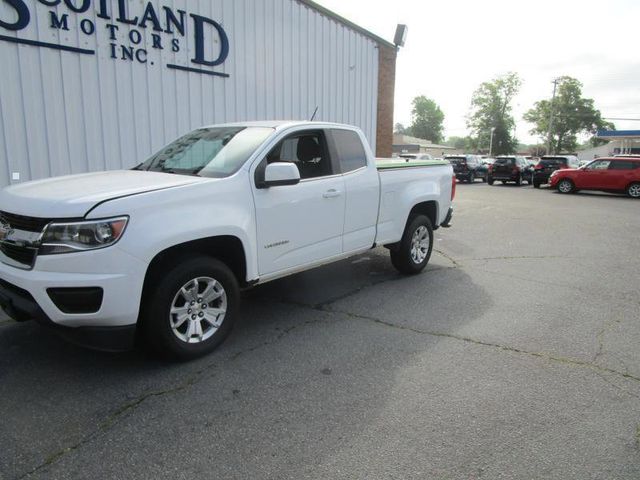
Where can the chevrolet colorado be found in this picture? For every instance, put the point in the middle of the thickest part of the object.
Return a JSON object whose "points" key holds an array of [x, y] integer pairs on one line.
{"points": [[159, 253]]}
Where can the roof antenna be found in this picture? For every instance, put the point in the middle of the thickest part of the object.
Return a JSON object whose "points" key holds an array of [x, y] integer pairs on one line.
{"points": [[313, 117]]}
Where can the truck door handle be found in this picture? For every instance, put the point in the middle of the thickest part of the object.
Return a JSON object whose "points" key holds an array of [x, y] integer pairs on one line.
{"points": [[331, 194]]}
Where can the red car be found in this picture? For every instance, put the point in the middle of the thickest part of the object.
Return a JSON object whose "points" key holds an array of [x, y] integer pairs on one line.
{"points": [[606, 174]]}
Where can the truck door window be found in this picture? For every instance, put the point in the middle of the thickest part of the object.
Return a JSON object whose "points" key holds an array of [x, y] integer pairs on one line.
{"points": [[350, 150], [307, 151]]}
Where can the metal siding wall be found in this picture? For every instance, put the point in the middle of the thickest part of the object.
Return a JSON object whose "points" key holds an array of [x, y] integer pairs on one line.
{"points": [[64, 113]]}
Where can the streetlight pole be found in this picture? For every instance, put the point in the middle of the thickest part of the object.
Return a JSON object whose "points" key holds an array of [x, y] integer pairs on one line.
{"points": [[550, 133], [491, 142]]}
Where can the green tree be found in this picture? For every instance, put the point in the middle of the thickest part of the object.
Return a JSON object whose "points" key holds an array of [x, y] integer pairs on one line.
{"points": [[491, 111], [573, 115], [461, 143], [400, 129], [426, 119]]}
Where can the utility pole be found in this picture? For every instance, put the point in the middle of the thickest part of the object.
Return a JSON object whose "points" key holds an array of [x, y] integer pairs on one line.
{"points": [[491, 141], [550, 133]]}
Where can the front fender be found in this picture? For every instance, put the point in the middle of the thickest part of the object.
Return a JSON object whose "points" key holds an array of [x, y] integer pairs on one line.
{"points": [[161, 220]]}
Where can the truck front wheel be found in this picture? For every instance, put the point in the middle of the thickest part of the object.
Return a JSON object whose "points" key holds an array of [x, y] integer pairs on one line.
{"points": [[413, 252], [191, 308]]}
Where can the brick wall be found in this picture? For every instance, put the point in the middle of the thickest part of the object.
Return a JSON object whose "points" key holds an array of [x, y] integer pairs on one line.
{"points": [[386, 94]]}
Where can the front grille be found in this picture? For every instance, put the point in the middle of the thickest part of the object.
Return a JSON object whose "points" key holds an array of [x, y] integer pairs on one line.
{"points": [[23, 255], [28, 224]]}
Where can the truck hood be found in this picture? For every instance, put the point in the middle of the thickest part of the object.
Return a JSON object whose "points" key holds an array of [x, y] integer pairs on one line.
{"points": [[73, 196]]}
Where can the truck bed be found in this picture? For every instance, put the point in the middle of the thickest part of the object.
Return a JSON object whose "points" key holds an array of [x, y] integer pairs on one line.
{"points": [[392, 163]]}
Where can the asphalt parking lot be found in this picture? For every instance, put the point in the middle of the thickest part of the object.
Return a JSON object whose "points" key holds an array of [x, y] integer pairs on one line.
{"points": [[515, 355]]}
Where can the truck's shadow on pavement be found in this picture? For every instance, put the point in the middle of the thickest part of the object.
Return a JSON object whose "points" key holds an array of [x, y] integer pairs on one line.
{"points": [[292, 333], [29, 344]]}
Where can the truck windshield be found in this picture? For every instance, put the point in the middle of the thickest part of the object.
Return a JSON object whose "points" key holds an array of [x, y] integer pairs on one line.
{"points": [[208, 152]]}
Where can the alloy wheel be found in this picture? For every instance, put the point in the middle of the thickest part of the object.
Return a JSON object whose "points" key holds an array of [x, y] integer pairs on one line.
{"points": [[634, 190], [565, 186], [198, 310], [420, 245]]}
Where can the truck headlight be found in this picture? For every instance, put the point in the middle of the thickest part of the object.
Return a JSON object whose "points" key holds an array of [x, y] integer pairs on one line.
{"points": [[81, 236]]}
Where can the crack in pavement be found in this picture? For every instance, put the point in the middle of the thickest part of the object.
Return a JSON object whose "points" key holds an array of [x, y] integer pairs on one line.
{"points": [[129, 407], [600, 338], [448, 257], [546, 283], [497, 346], [524, 257], [459, 263], [279, 337], [111, 420], [606, 327], [617, 387], [507, 348]]}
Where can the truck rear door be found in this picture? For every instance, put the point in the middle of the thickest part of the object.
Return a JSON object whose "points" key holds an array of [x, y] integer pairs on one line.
{"points": [[362, 186]]}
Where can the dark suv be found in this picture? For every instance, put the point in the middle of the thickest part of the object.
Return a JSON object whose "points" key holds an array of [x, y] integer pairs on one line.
{"points": [[466, 167], [510, 169], [549, 164]]}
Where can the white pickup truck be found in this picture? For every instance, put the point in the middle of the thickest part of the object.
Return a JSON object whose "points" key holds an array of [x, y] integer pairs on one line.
{"points": [[159, 253]]}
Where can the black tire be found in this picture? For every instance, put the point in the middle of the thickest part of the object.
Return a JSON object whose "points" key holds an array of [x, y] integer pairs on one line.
{"points": [[155, 315], [633, 190], [536, 184], [490, 180], [519, 181], [504, 182], [471, 177], [401, 256], [484, 179], [570, 186]]}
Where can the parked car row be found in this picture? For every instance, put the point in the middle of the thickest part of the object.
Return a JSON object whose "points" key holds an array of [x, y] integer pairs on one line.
{"points": [[565, 173]]}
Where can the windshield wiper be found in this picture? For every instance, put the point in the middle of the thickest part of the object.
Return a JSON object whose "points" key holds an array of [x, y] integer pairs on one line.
{"points": [[181, 172]]}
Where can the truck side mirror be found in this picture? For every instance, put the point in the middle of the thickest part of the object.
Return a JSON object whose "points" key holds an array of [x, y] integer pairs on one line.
{"points": [[279, 174]]}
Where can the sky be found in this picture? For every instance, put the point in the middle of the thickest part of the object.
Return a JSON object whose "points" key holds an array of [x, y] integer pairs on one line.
{"points": [[455, 45]]}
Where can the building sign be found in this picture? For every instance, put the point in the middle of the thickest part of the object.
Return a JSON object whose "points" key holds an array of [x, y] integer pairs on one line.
{"points": [[131, 37]]}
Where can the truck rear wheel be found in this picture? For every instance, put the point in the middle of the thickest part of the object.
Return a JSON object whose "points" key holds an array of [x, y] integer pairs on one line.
{"points": [[191, 309], [413, 252]]}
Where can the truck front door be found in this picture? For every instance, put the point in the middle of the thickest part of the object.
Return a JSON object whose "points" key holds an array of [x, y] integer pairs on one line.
{"points": [[301, 224]]}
